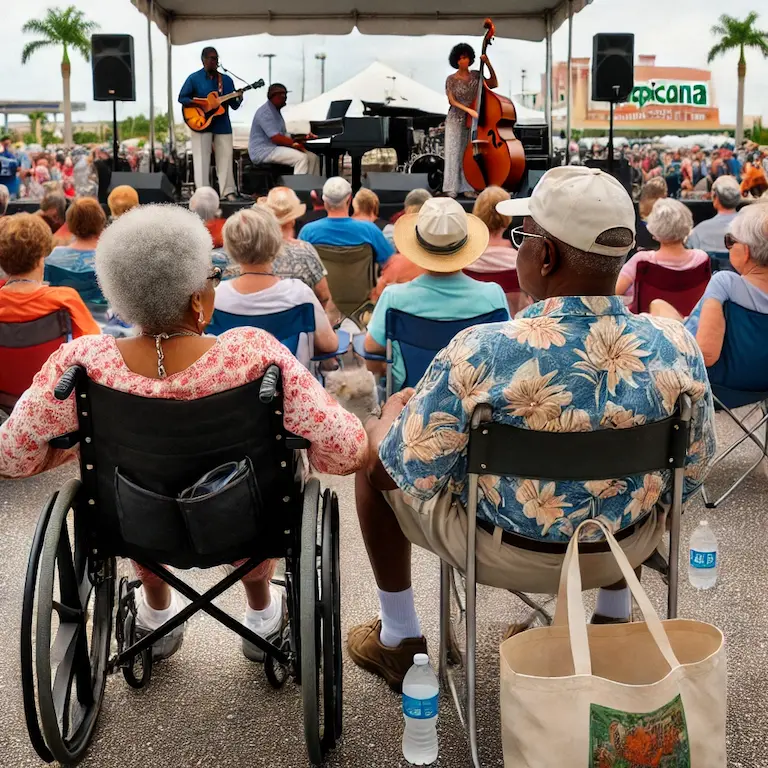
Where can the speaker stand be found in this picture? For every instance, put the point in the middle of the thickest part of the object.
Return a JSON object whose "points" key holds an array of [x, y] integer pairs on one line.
{"points": [[115, 142], [610, 140]]}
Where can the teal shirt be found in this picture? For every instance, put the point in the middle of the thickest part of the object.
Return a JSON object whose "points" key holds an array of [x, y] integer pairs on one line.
{"points": [[449, 297]]}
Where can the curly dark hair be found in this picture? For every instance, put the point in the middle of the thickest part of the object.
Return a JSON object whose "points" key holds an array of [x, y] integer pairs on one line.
{"points": [[462, 49]]}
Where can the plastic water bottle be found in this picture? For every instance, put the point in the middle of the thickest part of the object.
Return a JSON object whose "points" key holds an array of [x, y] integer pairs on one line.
{"points": [[702, 565], [420, 695]]}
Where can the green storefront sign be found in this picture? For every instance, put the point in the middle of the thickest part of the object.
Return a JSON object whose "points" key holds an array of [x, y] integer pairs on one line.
{"points": [[675, 93]]}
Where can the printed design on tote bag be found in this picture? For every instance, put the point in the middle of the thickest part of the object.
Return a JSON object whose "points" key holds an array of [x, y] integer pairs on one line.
{"points": [[648, 740]]}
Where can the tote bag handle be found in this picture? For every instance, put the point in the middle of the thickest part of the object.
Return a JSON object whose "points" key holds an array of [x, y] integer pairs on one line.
{"points": [[570, 603]]}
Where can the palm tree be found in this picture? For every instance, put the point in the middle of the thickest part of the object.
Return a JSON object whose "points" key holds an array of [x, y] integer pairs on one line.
{"points": [[69, 29], [36, 122], [736, 34]]}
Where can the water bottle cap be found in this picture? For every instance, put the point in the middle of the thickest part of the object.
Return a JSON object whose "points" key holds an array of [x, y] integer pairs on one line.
{"points": [[419, 659]]}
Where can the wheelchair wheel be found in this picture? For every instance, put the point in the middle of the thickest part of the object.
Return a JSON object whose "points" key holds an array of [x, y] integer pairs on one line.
{"points": [[310, 627], [331, 608], [75, 597], [138, 671]]}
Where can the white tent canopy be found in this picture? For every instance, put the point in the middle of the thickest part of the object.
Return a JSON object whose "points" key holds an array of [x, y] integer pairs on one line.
{"points": [[376, 83], [192, 21]]}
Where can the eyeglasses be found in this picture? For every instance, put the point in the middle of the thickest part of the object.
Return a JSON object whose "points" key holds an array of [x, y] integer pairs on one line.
{"points": [[518, 236], [215, 275], [730, 241]]}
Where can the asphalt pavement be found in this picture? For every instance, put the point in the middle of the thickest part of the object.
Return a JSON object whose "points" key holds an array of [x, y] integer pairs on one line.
{"points": [[209, 707]]}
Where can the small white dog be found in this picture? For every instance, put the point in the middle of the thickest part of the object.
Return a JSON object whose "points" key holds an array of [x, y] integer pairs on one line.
{"points": [[355, 389]]}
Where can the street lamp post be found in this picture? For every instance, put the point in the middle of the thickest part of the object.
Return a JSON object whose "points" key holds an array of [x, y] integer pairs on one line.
{"points": [[268, 56], [321, 57]]}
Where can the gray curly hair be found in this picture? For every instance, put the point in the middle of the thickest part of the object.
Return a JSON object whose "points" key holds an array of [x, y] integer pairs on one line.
{"points": [[151, 261]]}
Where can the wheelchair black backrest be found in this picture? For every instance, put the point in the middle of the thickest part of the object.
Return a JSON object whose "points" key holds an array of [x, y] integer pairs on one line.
{"points": [[164, 446]]}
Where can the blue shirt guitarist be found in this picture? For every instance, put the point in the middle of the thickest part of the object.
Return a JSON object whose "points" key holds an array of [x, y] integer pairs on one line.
{"points": [[219, 133]]}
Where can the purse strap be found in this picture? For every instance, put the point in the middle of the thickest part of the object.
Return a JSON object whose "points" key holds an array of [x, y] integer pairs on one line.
{"points": [[570, 603]]}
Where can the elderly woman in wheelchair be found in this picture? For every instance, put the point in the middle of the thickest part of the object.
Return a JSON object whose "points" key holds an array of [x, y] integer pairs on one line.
{"points": [[189, 456]]}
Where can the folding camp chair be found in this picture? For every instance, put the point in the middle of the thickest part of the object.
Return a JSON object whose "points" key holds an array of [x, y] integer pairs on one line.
{"points": [[85, 283], [740, 378], [501, 449], [351, 274], [24, 348], [720, 261], [287, 327], [507, 279], [680, 288], [419, 340]]}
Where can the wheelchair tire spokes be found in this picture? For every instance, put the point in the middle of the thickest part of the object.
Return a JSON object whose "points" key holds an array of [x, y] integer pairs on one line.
{"points": [[70, 698]]}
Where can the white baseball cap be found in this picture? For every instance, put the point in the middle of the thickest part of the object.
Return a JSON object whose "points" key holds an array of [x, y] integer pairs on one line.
{"points": [[576, 205]]}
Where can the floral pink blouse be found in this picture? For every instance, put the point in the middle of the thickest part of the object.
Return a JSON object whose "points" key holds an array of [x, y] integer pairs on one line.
{"points": [[339, 442]]}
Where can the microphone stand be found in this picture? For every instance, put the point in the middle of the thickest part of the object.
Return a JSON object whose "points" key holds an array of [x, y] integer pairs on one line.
{"points": [[229, 72]]}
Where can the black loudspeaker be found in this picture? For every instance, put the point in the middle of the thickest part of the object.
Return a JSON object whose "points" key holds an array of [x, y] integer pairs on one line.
{"points": [[303, 184], [393, 187], [530, 180], [112, 61], [621, 170], [534, 138], [613, 66], [152, 187]]}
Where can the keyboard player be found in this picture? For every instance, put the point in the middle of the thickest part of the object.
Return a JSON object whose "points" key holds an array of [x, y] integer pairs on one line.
{"points": [[270, 142]]}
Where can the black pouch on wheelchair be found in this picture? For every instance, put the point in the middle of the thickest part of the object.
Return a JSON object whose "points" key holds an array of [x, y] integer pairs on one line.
{"points": [[217, 512]]}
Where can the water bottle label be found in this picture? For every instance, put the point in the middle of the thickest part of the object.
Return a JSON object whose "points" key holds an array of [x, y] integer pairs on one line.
{"points": [[420, 709], [703, 559]]}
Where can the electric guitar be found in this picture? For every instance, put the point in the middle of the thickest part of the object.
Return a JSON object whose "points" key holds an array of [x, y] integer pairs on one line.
{"points": [[200, 113]]}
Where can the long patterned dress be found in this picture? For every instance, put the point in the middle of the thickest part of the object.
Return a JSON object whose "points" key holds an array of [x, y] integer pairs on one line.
{"points": [[456, 131]]}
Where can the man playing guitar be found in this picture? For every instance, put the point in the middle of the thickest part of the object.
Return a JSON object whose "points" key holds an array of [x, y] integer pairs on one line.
{"points": [[219, 133]]}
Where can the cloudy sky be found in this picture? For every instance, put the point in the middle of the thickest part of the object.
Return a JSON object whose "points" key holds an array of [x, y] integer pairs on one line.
{"points": [[675, 32]]}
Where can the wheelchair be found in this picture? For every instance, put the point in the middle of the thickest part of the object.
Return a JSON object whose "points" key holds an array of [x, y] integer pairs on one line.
{"points": [[136, 456]]}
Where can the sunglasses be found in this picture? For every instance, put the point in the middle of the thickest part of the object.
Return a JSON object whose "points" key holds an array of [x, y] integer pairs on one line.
{"points": [[518, 236], [215, 275], [730, 241]]}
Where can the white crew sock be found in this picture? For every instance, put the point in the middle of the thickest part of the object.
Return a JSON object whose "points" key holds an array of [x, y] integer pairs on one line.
{"points": [[266, 621], [152, 618], [398, 617], [614, 603]]}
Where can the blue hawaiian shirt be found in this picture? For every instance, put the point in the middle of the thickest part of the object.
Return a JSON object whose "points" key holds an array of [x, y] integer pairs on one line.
{"points": [[566, 364]]}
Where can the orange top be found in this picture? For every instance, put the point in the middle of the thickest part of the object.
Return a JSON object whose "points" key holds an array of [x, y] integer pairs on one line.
{"points": [[398, 269], [214, 227], [22, 306]]}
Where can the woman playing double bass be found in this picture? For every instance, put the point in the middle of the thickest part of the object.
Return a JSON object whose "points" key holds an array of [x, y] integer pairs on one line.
{"points": [[461, 90]]}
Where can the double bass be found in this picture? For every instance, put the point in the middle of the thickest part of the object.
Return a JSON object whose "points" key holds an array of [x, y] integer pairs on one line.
{"points": [[494, 156]]}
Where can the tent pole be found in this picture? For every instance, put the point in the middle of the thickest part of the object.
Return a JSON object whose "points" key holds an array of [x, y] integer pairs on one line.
{"points": [[171, 126], [151, 90], [568, 89], [548, 92]]}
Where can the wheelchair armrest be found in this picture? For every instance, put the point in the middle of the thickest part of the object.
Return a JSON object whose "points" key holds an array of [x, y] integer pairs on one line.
{"points": [[295, 443], [268, 388], [358, 344], [64, 442], [67, 382]]}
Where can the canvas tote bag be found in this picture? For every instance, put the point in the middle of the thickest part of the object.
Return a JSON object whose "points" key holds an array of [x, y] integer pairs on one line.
{"points": [[642, 695]]}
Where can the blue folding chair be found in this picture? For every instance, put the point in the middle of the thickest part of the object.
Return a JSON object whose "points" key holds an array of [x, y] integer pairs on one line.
{"points": [[740, 378], [419, 341], [286, 326], [720, 261], [85, 283]]}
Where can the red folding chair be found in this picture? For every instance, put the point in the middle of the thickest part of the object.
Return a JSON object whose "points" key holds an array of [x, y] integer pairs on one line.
{"points": [[507, 279], [24, 348], [680, 288]]}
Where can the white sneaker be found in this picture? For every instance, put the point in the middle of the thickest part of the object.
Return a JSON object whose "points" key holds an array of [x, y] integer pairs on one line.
{"points": [[271, 634], [168, 645]]}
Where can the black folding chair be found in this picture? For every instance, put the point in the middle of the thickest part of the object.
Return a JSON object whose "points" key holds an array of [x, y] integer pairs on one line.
{"points": [[504, 450]]}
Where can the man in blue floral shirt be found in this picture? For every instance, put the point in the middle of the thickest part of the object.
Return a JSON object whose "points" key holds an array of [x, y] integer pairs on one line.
{"points": [[576, 360]]}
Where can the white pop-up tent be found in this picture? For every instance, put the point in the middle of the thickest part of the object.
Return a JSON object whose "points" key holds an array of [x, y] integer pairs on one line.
{"points": [[190, 21]]}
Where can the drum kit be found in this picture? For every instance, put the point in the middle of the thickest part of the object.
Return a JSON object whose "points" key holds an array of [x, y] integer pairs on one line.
{"points": [[428, 156]]}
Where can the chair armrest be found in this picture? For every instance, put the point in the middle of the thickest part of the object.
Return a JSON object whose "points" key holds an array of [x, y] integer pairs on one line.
{"points": [[294, 442], [65, 442], [342, 348], [358, 344]]}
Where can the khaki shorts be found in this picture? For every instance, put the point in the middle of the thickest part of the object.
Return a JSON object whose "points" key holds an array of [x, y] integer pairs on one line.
{"points": [[440, 525]]}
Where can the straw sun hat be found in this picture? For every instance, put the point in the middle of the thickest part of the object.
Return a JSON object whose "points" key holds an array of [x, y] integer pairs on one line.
{"points": [[441, 237], [284, 203]]}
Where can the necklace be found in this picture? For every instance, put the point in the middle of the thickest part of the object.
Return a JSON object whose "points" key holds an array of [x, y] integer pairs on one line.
{"points": [[267, 274], [159, 338]]}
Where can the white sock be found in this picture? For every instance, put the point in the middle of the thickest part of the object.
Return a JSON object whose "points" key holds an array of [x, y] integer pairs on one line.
{"points": [[152, 618], [614, 603], [398, 617], [267, 620]]}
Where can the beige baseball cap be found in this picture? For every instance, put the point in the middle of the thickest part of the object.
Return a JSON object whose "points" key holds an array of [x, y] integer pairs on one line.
{"points": [[576, 205]]}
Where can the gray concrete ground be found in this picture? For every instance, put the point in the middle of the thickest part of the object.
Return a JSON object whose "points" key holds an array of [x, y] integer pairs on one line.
{"points": [[210, 707]]}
